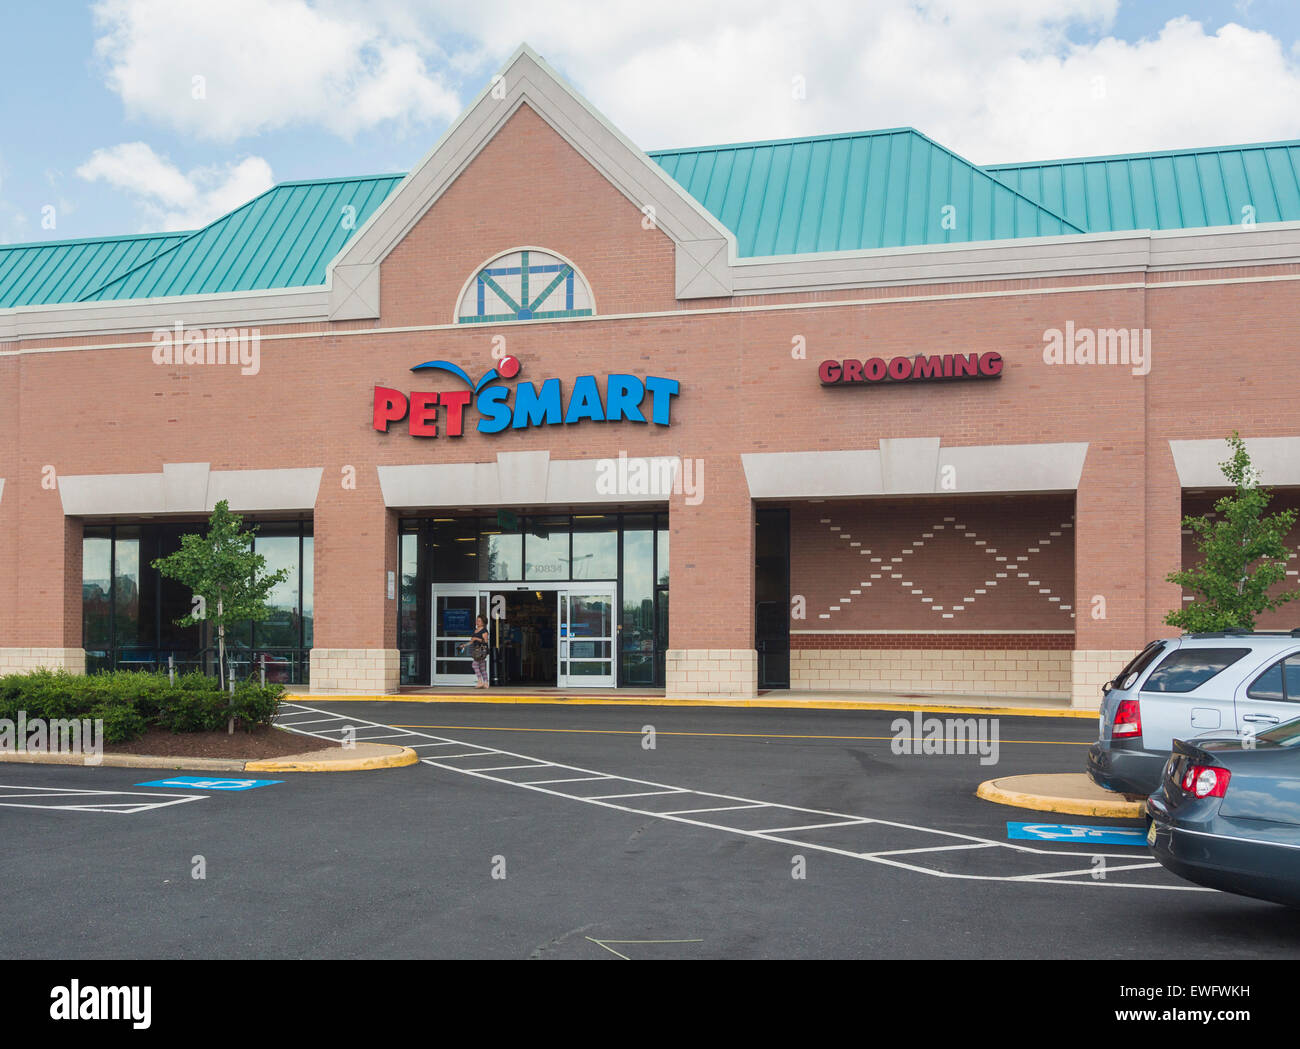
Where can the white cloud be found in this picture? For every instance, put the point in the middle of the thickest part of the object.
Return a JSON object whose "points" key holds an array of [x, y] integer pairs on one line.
{"points": [[997, 81], [169, 198], [264, 64]]}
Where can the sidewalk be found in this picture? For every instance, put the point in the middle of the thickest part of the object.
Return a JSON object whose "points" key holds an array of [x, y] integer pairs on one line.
{"points": [[361, 757], [777, 699]]}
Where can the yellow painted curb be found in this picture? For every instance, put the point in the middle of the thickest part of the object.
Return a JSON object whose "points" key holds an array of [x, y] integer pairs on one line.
{"points": [[1120, 809], [403, 756], [767, 704]]}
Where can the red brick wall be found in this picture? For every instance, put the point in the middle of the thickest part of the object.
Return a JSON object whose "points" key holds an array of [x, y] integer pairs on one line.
{"points": [[946, 548], [1223, 359]]}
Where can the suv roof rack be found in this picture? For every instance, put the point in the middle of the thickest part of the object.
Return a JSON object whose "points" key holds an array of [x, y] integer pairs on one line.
{"points": [[1240, 632]]}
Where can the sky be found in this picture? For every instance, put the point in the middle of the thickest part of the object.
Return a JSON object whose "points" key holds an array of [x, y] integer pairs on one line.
{"points": [[131, 116]]}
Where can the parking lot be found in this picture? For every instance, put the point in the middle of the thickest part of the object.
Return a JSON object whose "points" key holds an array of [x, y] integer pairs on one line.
{"points": [[548, 831]]}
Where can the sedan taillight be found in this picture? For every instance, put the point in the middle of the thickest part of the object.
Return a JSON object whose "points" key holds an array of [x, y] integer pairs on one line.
{"points": [[1205, 781], [1128, 720]]}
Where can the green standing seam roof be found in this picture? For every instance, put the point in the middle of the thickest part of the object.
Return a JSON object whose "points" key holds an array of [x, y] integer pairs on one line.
{"points": [[1172, 189], [875, 189], [64, 270], [851, 192], [284, 238]]}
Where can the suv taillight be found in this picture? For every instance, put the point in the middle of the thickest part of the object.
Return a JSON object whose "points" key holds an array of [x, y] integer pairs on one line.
{"points": [[1205, 781], [1128, 720]]}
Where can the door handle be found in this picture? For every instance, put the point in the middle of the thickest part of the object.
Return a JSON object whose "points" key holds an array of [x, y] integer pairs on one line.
{"points": [[1260, 717]]}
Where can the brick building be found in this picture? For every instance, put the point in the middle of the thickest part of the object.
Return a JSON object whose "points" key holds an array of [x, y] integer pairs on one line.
{"points": [[872, 416]]}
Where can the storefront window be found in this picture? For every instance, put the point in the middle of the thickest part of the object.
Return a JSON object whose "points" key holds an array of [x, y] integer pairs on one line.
{"points": [[455, 553], [595, 546], [500, 555], [637, 638], [97, 596], [281, 628], [129, 612], [546, 549]]}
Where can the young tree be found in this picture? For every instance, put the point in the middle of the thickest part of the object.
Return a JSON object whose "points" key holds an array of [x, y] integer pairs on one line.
{"points": [[1243, 554], [229, 581]]}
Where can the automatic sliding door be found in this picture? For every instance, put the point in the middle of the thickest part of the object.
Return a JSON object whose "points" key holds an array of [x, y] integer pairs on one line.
{"points": [[586, 638], [454, 611]]}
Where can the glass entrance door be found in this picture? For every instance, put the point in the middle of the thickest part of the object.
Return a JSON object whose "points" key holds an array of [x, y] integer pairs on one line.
{"points": [[454, 611], [586, 620]]}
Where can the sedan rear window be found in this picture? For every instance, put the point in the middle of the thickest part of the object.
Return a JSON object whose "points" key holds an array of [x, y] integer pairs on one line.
{"points": [[1189, 668]]}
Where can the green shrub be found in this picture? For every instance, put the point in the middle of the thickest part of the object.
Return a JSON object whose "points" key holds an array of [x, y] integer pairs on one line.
{"points": [[130, 701]]}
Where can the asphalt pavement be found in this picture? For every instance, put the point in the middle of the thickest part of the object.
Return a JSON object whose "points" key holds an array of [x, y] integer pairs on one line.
{"points": [[545, 831]]}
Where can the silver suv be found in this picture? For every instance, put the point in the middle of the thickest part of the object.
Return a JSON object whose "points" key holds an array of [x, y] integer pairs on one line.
{"points": [[1234, 682]]}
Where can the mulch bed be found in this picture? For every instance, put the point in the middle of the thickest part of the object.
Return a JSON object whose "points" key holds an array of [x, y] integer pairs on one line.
{"points": [[262, 742]]}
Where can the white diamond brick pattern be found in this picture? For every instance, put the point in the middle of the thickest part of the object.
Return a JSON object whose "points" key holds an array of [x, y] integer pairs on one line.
{"points": [[950, 612]]}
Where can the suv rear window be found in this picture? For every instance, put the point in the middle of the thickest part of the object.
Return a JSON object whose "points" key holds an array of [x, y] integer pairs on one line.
{"points": [[1138, 664], [1189, 668]]}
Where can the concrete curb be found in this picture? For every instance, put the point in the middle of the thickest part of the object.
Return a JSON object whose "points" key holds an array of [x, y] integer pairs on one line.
{"points": [[768, 704], [400, 757], [309, 761], [1003, 792]]}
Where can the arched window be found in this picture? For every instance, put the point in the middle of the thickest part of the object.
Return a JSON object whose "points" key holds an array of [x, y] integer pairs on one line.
{"points": [[524, 285]]}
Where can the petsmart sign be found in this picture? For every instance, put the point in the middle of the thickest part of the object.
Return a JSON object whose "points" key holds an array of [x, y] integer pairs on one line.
{"points": [[617, 398]]}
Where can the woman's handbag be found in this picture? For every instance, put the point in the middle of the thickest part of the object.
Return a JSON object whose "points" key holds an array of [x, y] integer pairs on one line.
{"points": [[478, 651]]}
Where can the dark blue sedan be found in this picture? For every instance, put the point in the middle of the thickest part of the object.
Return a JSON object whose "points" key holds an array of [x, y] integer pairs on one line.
{"points": [[1227, 814]]}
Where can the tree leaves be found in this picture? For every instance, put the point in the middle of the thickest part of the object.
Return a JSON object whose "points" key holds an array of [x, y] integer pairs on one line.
{"points": [[1243, 551]]}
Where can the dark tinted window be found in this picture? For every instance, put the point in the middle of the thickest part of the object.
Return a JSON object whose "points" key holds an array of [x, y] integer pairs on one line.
{"points": [[1270, 685], [1139, 663], [1189, 668]]}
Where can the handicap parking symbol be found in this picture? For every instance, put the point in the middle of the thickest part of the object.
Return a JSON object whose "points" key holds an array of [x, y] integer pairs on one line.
{"points": [[1073, 833], [209, 783]]}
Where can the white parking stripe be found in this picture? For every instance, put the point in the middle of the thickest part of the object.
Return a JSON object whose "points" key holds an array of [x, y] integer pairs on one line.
{"points": [[815, 826], [953, 837], [720, 808], [639, 794], [578, 779]]}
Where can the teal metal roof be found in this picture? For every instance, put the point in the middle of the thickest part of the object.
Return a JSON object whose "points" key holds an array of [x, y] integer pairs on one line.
{"points": [[284, 238], [876, 189], [1173, 189], [64, 270]]}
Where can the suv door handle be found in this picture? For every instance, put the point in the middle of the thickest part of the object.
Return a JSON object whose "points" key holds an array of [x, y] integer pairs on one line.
{"points": [[1260, 717]]}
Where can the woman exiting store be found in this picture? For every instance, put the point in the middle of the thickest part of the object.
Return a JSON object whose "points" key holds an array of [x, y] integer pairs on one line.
{"points": [[478, 652]]}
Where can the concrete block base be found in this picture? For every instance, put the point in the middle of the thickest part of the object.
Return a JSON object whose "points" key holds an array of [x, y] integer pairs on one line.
{"points": [[714, 673], [355, 670]]}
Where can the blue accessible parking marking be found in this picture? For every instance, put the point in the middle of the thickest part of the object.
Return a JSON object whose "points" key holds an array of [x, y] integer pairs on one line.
{"points": [[201, 783], [1073, 833]]}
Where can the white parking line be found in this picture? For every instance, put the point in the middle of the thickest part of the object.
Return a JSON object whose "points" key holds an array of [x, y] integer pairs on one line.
{"points": [[720, 808], [577, 779], [84, 799], [638, 794], [954, 838], [813, 826]]}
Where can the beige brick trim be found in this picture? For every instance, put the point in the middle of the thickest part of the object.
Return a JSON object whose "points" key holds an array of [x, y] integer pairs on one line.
{"points": [[355, 670], [21, 660], [1022, 672], [697, 673], [1092, 668]]}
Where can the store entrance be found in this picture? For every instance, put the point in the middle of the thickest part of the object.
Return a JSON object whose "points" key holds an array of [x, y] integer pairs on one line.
{"points": [[524, 633], [540, 635]]}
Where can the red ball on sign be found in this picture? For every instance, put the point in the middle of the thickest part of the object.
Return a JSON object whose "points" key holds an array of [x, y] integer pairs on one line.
{"points": [[508, 368]]}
